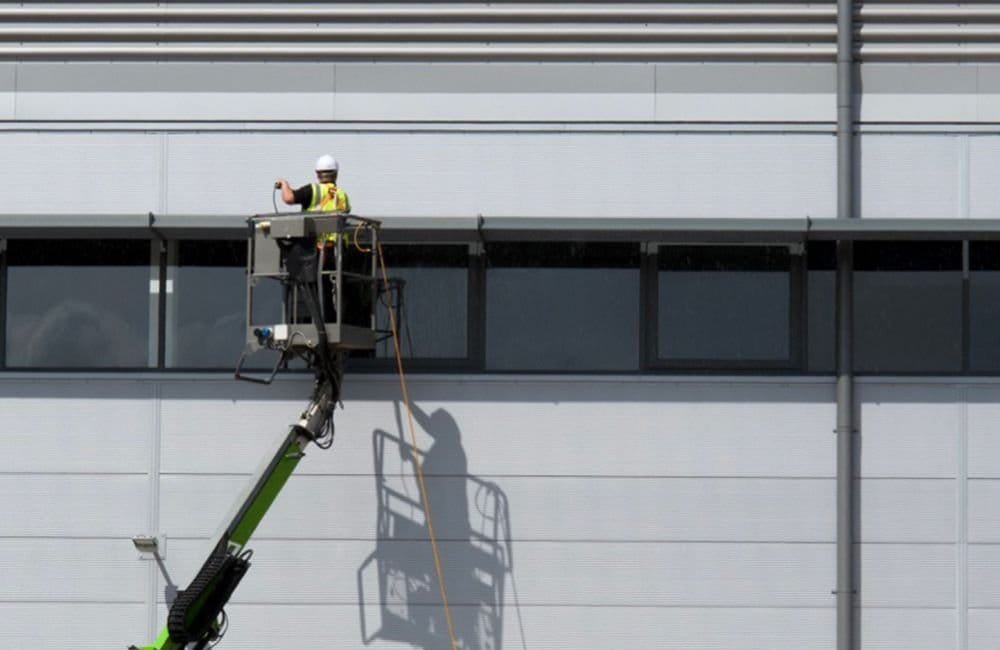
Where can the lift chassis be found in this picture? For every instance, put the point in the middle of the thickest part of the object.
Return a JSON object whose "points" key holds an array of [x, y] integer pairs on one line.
{"points": [[305, 253]]}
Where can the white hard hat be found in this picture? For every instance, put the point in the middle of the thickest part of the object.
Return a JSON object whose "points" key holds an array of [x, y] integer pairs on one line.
{"points": [[327, 163]]}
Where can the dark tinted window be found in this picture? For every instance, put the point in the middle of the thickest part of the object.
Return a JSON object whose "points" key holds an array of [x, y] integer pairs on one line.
{"points": [[908, 307], [724, 304], [821, 261], [984, 306], [562, 306], [78, 304], [430, 289], [206, 305]]}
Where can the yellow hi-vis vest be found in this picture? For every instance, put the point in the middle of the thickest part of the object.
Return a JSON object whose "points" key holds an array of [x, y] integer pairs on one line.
{"points": [[327, 197]]}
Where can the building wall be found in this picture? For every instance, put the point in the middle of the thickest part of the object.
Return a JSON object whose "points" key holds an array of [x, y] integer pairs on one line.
{"points": [[748, 140], [644, 512]]}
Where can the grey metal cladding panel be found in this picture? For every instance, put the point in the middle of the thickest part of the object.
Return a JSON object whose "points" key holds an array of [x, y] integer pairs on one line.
{"points": [[111, 173], [740, 431], [988, 96], [737, 92], [264, 627], [72, 426], [984, 516], [551, 574], [913, 176], [919, 92], [87, 626], [197, 431], [909, 431], [175, 91], [984, 161], [8, 73], [53, 505], [983, 422], [71, 570], [476, 92], [984, 628], [917, 629], [984, 576], [573, 508], [907, 575], [937, 78], [493, 78], [171, 77], [518, 174], [908, 510]]}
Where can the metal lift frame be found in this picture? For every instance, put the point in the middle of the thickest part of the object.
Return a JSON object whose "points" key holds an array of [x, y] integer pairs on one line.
{"points": [[197, 619]]}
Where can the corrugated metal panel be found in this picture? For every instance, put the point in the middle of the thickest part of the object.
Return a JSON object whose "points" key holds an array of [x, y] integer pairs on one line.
{"points": [[605, 508], [497, 92], [908, 510], [651, 574], [984, 159], [916, 629], [71, 571], [69, 505], [318, 627], [432, 92], [924, 93], [668, 437], [887, 31], [909, 176], [86, 626], [984, 518], [907, 575], [984, 628], [8, 76], [524, 174], [439, 31], [906, 437], [983, 426], [612, 553], [171, 92], [67, 428], [924, 31], [111, 174], [984, 576]]}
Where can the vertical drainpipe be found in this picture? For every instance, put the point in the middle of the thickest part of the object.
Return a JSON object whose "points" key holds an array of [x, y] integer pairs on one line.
{"points": [[845, 431]]}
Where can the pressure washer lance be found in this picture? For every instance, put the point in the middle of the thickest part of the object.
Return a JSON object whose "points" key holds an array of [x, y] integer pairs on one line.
{"points": [[274, 195]]}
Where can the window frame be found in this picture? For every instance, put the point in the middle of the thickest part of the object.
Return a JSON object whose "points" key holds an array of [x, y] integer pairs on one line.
{"points": [[567, 238], [474, 322], [153, 319], [797, 306], [964, 312], [474, 362]]}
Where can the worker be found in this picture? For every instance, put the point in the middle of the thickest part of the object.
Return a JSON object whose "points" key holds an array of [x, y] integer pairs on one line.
{"points": [[323, 196]]}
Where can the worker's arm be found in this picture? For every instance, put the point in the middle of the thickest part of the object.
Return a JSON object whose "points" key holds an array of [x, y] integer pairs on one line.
{"points": [[287, 193]]}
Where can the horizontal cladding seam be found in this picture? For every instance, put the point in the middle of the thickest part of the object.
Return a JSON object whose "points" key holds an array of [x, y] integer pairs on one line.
{"points": [[648, 541], [724, 12], [728, 12], [688, 33], [868, 53], [320, 602]]}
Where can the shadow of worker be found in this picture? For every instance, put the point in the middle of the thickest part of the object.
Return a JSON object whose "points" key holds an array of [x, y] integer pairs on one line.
{"points": [[473, 545]]}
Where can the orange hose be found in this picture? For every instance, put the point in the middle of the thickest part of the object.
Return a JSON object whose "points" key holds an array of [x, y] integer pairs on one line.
{"points": [[416, 459]]}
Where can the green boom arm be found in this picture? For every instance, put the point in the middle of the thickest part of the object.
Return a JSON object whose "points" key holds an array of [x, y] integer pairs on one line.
{"points": [[194, 619]]}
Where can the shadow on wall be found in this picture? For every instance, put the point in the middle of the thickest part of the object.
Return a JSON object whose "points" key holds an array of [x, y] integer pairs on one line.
{"points": [[398, 589]]}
